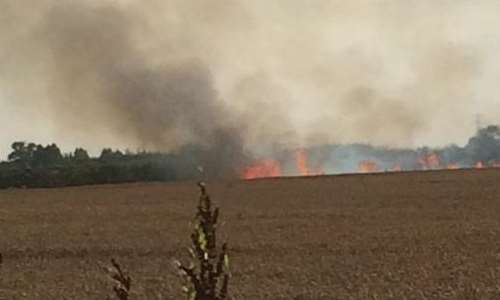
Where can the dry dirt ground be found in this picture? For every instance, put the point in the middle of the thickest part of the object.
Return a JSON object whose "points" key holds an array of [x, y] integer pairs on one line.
{"points": [[427, 235]]}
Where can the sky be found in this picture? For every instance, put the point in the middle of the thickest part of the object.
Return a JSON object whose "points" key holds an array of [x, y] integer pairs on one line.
{"points": [[285, 73]]}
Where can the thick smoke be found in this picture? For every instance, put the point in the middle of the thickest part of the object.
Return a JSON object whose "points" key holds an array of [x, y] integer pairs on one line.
{"points": [[97, 80], [242, 78], [160, 107]]}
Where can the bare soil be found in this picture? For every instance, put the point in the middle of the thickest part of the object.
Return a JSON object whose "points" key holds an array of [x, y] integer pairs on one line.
{"points": [[415, 235]]}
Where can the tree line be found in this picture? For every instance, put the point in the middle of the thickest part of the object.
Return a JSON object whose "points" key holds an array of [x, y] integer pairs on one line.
{"points": [[34, 165]]}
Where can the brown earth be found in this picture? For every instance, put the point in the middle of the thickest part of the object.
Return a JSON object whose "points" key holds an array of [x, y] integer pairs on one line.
{"points": [[424, 235]]}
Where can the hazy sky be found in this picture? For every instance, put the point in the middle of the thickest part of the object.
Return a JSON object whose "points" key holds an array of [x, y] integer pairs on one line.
{"points": [[159, 74]]}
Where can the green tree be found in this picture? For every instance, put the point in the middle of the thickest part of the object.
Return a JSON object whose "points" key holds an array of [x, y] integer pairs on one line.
{"points": [[81, 154], [109, 154], [49, 155], [22, 152]]}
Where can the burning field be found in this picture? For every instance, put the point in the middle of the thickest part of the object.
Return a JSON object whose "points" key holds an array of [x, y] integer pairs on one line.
{"points": [[481, 151], [409, 235], [269, 168], [249, 89], [347, 143]]}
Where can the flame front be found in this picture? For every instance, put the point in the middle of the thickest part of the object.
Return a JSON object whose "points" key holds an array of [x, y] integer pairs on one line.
{"points": [[367, 166], [303, 168], [430, 161], [262, 169]]}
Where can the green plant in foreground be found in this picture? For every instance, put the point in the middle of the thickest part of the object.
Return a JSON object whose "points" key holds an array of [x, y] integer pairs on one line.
{"points": [[122, 281], [207, 278]]}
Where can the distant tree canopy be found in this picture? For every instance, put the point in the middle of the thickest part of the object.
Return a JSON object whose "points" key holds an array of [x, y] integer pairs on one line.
{"points": [[80, 155], [33, 165], [22, 152], [49, 155], [108, 154], [32, 155]]}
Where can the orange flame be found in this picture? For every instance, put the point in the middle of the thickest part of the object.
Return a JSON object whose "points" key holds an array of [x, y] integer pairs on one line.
{"points": [[430, 161], [367, 166], [264, 168], [302, 164], [272, 168]]}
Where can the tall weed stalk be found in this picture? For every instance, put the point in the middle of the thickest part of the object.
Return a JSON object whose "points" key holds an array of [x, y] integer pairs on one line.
{"points": [[207, 275]]}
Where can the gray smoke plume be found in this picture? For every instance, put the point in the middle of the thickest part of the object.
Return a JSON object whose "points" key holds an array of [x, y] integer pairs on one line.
{"points": [[97, 80], [97, 72], [243, 78]]}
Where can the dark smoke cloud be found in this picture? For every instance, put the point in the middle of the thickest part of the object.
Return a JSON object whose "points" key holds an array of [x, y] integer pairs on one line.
{"points": [[98, 81], [246, 77], [97, 72]]}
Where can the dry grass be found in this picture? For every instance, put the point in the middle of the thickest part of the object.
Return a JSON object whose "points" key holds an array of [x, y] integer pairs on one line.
{"points": [[432, 235]]}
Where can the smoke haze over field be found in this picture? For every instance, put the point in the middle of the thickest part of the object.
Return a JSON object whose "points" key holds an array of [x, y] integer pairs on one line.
{"points": [[243, 77]]}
